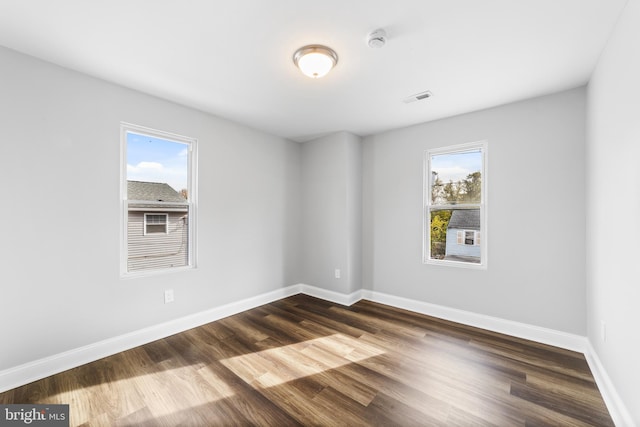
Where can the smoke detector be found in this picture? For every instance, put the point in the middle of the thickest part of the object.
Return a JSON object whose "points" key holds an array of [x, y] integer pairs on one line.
{"points": [[377, 38]]}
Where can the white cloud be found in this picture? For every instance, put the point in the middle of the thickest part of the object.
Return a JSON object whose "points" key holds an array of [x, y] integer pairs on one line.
{"points": [[453, 173], [150, 165]]}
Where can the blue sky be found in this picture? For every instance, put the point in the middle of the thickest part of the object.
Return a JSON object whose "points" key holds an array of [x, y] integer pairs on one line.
{"points": [[157, 160], [456, 166]]}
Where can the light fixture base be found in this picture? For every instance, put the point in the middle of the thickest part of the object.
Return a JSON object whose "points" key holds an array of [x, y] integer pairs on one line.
{"points": [[315, 60]]}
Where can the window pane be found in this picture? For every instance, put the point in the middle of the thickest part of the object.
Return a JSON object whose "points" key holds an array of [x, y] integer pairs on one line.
{"points": [[157, 176], [468, 237], [160, 161], [456, 178], [455, 205], [453, 235], [156, 219], [438, 228], [159, 246], [156, 228]]}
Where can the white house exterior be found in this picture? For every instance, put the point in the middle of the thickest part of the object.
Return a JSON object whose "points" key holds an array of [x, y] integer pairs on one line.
{"points": [[463, 235]]}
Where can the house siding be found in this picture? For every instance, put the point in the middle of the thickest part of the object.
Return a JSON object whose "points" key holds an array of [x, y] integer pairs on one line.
{"points": [[157, 250], [454, 248], [461, 221]]}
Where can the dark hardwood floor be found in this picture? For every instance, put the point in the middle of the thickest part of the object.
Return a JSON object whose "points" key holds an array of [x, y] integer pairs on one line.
{"points": [[305, 361]]}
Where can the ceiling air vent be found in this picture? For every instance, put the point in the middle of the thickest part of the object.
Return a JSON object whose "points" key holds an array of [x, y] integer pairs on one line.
{"points": [[417, 97]]}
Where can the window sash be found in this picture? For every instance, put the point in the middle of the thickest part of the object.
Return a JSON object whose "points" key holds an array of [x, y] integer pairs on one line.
{"points": [[155, 207], [431, 206], [469, 237], [154, 221]]}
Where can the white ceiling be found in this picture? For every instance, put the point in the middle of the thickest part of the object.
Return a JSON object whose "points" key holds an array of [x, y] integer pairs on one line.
{"points": [[234, 58]]}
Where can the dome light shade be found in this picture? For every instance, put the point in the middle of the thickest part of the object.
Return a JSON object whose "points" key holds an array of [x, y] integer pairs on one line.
{"points": [[315, 60]]}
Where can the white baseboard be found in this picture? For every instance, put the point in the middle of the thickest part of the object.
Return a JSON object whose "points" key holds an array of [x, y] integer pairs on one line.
{"points": [[42, 368], [617, 408], [332, 296], [521, 330]]}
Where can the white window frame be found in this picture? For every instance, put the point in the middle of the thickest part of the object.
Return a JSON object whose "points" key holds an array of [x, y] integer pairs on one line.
{"points": [[166, 223], [192, 191], [428, 206]]}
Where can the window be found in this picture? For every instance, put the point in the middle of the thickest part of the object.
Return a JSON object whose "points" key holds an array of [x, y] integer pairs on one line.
{"points": [[155, 223], [455, 206], [158, 191]]}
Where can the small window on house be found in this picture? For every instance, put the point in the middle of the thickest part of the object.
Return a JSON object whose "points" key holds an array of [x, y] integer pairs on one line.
{"points": [[158, 201], [455, 205], [469, 237], [155, 223]]}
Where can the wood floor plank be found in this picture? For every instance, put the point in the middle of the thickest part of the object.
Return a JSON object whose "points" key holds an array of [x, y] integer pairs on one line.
{"points": [[305, 361], [568, 405]]}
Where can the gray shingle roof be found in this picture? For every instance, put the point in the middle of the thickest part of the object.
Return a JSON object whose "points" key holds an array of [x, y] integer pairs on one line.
{"points": [[467, 219], [155, 191]]}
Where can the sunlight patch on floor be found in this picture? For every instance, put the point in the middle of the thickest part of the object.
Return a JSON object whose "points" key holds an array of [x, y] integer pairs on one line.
{"points": [[163, 392], [269, 368]]}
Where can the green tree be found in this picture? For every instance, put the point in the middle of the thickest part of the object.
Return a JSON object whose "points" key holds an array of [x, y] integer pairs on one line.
{"points": [[452, 191], [462, 191], [472, 187], [438, 231]]}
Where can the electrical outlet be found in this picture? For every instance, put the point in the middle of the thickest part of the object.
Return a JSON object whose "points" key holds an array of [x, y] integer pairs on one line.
{"points": [[168, 296], [337, 273]]}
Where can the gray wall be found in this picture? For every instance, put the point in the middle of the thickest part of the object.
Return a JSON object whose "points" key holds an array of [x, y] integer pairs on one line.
{"points": [[331, 212], [613, 205], [60, 170], [536, 220]]}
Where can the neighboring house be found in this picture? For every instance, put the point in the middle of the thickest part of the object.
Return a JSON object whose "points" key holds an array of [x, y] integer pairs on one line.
{"points": [[463, 235], [157, 231]]}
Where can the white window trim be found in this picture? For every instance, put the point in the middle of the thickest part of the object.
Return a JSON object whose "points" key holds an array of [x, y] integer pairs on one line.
{"points": [[166, 223], [426, 232], [192, 188]]}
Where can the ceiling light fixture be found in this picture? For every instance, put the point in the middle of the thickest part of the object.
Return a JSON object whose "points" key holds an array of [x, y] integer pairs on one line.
{"points": [[315, 60]]}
